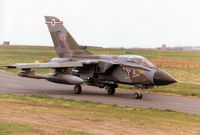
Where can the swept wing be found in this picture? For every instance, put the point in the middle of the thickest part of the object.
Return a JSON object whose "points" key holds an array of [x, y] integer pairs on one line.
{"points": [[45, 65]]}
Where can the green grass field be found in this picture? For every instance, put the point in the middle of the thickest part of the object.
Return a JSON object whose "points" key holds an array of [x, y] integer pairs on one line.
{"points": [[11, 128], [188, 76], [39, 113], [150, 54]]}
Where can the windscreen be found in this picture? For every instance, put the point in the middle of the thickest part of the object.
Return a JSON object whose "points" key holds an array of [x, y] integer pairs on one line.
{"points": [[141, 61], [146, 63]]}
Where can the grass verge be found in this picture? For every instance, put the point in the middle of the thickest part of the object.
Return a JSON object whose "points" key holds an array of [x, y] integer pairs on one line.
{"points": [[11, 128], [50, 115]]}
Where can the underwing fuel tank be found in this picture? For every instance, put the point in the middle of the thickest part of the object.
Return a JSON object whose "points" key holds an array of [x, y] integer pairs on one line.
{"points": [[52, 77], [64, 79]]}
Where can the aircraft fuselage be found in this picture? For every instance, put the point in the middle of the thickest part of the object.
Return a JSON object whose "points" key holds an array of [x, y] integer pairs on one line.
{"points": [[125, 69]]}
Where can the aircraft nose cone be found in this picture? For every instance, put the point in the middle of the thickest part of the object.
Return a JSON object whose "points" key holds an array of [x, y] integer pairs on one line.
{"points": [[163, 78]]}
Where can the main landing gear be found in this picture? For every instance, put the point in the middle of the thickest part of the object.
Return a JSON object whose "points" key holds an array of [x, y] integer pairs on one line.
{"points": [[137, 95], [77, 89], [110, 89]]}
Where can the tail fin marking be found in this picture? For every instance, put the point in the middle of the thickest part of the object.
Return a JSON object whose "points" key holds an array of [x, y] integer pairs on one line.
{"points": [[64, 43]]}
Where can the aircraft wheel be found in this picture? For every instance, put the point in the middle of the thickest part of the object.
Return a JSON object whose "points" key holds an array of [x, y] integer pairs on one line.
{"points": [[77, 89], [137, 96], [140, 96], [110, 90]]}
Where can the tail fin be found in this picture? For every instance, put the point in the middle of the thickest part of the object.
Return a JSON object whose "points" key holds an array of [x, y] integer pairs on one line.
{"points": [[64, 43]]}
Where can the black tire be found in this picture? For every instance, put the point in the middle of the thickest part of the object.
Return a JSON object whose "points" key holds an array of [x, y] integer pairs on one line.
{"points": [[135, 95], [110, 90], [77, 89], [140, 96]]}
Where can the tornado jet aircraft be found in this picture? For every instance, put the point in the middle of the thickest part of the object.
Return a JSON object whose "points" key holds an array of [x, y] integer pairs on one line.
{"points": [[75, 65]]}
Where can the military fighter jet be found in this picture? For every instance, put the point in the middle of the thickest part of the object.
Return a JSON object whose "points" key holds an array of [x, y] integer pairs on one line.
{"points": [[76, 65]]}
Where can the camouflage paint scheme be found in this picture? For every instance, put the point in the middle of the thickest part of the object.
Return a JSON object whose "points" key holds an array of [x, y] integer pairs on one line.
{"points": [[76, 65]]}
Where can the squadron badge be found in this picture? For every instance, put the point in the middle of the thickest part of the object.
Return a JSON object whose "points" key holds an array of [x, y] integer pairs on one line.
{"points": [[130, 73]]}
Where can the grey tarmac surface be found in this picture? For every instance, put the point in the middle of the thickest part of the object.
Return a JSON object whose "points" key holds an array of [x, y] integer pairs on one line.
{"points": [[20, 85]]}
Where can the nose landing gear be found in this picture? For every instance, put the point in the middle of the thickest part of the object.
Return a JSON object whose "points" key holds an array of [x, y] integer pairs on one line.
{"points": [[137, 94]]}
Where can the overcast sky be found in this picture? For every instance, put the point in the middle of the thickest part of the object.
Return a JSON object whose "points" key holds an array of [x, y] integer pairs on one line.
{"points": [[107, 23]]}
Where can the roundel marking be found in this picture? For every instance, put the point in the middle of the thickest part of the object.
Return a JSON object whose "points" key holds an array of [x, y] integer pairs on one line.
{"points": [[53, 22], [131, 74]]}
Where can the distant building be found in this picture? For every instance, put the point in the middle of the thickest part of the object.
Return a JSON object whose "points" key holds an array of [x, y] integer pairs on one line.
{"points": [[6, 43], [164, 47]]}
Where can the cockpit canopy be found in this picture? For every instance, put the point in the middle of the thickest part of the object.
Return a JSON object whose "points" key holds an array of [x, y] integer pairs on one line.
{"points": [[139, 60]]}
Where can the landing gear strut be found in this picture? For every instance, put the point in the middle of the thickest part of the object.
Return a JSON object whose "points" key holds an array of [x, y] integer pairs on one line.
{"points": [[111, 90], [77, 89]]}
